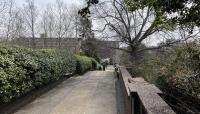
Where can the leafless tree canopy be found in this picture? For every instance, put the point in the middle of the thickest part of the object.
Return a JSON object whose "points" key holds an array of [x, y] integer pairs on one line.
{"points": [[112, 18], [56, 20], [2, 5], [131, 28]]}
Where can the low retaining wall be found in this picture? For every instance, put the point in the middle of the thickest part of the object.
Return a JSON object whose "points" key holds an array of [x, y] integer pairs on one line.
{"points": [[140, 96]]}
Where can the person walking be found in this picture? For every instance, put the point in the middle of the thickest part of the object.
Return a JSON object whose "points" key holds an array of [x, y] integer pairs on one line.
{"points": [[104, 66]]}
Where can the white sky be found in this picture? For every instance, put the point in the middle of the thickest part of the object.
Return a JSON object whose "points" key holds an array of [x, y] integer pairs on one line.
{"points": [[43, 3]]}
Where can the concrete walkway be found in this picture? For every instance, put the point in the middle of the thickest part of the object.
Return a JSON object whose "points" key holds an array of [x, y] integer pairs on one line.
{"points": [[92, 93]]}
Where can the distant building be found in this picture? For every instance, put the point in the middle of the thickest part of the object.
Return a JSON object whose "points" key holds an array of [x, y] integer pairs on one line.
{"points": [[71, 44]]}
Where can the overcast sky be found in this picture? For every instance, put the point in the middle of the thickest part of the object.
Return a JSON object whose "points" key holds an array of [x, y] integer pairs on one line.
{"points": [[43, 3]]}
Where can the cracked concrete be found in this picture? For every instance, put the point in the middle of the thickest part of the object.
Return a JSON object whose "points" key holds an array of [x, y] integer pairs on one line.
{"points": [[92, 93]]}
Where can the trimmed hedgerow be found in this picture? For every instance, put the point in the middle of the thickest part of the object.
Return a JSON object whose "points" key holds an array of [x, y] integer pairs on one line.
{"points": [[22, 70], [85, 63], [95, 64]]}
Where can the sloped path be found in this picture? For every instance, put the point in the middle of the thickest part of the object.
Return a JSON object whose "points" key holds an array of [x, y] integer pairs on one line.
{"points": [[92, 93]]}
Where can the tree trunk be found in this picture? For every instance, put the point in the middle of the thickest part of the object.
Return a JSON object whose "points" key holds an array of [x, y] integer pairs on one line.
{"points": [[33, 42], [59, 42]]}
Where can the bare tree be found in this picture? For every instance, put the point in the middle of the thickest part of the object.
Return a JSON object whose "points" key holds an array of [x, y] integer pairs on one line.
{"points": [[85, 28], [79, 23], [75, 20], [63, 21], [48, 21], [44, 24], [19, 24], [31, 14], [10, 19], [131, 28], [2, 5]]}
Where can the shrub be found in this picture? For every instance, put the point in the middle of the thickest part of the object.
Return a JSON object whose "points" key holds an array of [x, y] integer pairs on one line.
{"points": [[183, 73], [176, 71], [85, 63], [95, 64], [22, 70], [180, 79]]}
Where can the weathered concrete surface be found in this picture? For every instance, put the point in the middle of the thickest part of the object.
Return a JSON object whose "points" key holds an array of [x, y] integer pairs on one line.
{"points": [[120, 99], [148, 95], [93, 93]]}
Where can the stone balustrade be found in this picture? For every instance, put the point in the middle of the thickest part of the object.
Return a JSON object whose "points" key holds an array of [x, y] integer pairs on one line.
{"points": [[141, 97]]}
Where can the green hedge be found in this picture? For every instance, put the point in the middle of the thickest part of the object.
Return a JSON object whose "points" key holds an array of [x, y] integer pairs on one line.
{"points": [[96, 64], [22, 70], [85, 63]]}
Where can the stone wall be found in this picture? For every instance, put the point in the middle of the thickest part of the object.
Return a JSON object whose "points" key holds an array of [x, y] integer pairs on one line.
{"points": [[140, 96], [105, 48], [71, 44]]}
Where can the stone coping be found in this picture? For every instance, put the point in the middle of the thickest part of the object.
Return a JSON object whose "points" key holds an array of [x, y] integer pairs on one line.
{"points": [[148, 94]]}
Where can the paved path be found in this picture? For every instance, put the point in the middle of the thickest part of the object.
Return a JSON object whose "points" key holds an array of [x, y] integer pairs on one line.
{"points": [[92, 93]]}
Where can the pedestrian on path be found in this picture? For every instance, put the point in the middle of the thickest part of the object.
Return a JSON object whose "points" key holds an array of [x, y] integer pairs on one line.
{"points": [[104, 66]]}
